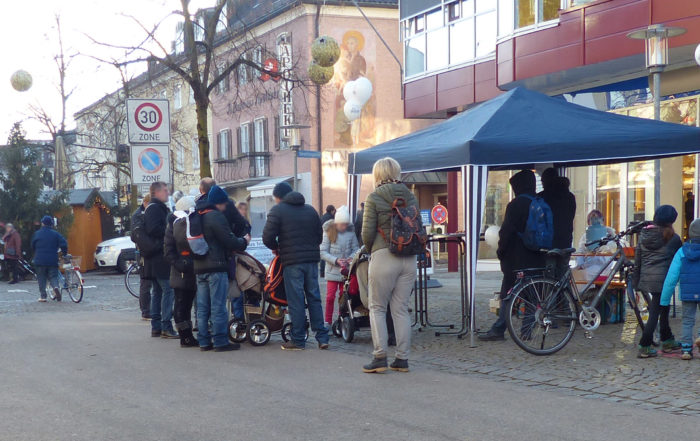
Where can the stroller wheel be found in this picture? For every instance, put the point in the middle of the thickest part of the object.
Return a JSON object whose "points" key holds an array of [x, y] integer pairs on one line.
{"points": [[347, 329], [258, 333], [336, 327], [237, 331], [287, 332]]}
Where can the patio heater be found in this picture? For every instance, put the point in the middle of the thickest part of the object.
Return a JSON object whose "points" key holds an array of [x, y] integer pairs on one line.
{"points": [[294, 140], [656, 54]]}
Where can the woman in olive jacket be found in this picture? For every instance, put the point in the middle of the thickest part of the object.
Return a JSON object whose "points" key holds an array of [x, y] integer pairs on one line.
{"points": [[391, 277], [182, 280]]}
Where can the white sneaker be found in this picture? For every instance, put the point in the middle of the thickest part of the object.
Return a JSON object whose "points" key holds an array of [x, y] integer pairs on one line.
{"points": [[41, 300]]}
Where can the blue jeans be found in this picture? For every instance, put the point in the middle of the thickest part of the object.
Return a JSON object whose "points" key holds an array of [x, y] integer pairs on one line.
{"points": [[301, 281], [212, 294], [688, 322], [162, 299], [237, 307], [44, 273]]}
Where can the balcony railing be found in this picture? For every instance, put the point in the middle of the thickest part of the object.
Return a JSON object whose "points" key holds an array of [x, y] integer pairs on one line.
{"points": [[247, 165]]}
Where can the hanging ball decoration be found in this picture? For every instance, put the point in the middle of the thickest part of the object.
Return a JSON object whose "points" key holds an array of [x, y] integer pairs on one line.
{"points": [[352, 110], [349, 91], [319, 74], [697, 54], [362, 90], [21, 80], [491, 236], [325, 51]]}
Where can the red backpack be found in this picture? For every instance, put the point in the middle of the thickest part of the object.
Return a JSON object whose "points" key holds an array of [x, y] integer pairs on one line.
{"points": [[274, 283]]}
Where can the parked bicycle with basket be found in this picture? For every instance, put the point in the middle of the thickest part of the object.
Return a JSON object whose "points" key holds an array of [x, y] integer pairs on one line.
{"points": [[543, 307]]}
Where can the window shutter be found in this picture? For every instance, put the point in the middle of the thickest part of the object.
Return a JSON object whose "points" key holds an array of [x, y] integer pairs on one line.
{"points": [[266, 137], [229, 144], [276, 123], [251, 138], [218, 145], [238, 141]]}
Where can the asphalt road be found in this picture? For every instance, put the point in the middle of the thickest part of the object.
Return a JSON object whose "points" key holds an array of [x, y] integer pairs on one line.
{"points": [[96, 375]]}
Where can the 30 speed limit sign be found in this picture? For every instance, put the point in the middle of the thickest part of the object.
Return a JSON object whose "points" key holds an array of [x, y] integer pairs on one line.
{"points": [[148, 121]]}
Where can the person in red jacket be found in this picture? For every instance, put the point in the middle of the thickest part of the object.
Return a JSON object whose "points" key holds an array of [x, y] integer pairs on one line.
{"points": [[13, 251]]}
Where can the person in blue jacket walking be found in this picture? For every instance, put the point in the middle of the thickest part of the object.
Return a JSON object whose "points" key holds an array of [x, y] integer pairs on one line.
{"points": [[45, 243], [685, 268]]}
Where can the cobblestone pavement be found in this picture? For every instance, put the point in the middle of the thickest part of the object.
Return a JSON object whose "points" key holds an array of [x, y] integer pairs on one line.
{"points": [[604, 367]]}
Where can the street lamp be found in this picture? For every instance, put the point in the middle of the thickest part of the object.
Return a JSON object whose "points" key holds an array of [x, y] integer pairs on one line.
{"points": [[656, 55], [294, 140]]}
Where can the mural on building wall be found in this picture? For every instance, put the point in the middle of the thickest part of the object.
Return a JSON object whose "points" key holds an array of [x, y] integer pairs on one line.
{"points": [[357, 59]]}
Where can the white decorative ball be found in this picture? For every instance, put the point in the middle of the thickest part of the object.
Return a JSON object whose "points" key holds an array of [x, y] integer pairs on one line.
{"points": [[697, 54], [362, 90], [491, 236], [21, 80], [352, 110], [349, 91]]}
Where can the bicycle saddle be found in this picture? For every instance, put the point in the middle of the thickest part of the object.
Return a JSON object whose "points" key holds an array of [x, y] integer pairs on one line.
{"points": [[563, 252]]}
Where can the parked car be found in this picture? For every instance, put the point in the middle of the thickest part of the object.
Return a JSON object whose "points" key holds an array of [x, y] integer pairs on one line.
{"points": [[115, 253]]}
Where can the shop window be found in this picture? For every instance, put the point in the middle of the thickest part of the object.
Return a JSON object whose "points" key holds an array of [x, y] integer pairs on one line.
{"points": [[608, 193], [640, 191]]}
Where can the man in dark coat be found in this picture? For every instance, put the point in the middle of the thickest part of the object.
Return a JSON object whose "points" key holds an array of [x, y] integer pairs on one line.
{"points": [[358, 223], [511, 250], [563, 204], [45, 244], [293, 230], [155, 266], [137, 221], [328, 215], [212, 271]]}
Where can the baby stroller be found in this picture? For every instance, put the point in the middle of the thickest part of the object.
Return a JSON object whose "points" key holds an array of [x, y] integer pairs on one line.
{"points": [[264, 303], [353, 305]]}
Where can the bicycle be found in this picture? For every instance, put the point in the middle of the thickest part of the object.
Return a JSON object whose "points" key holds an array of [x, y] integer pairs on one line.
{"points": [[543, 308], [72, 282], [132, 277]]}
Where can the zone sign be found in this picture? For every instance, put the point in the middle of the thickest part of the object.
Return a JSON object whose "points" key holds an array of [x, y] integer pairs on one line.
{"points": [[148, 121]]}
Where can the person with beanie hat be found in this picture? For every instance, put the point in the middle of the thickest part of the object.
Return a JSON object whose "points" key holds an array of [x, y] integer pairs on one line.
{"points": [[512, 253], [293, 231], [685, 268], [182, 279], [211, 271], [657, 246], [45, 242], [338, 246]]}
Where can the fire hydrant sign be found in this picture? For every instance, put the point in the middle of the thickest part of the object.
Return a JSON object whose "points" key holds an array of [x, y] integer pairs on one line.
{"points": [[148, 121], [150, 163]]}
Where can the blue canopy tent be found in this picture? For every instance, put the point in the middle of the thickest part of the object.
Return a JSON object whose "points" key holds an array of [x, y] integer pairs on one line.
{"points": [[517, 130]]}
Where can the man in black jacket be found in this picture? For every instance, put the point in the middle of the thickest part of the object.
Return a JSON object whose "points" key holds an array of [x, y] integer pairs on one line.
{"points": [[137, 221], [155, 267], [212, 271], [358, 223], [293, 230], [511, 250], [563, 204]]}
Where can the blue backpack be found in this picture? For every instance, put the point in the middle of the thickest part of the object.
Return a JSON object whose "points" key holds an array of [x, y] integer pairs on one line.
{"points": [[539, 229]]}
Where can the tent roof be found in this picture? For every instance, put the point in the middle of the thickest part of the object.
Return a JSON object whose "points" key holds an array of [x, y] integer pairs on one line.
{"points": [[521, 128]]}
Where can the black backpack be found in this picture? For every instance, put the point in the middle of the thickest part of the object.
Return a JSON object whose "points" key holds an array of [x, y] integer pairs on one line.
{"points": [[145, 244], [407, 237]]}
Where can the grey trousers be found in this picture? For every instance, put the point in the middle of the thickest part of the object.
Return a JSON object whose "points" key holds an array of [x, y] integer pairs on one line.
{"points": [[391, 279]]}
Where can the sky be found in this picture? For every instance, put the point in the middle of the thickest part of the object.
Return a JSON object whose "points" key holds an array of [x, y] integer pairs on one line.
{"points": [[29, 42]]}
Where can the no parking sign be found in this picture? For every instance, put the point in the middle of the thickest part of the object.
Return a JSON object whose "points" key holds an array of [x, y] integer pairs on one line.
{"points": [[150, 163]]}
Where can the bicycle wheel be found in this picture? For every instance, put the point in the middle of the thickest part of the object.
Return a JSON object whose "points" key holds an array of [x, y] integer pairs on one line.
{"points": [[74, 286], [639, 301], [132, 280], [541, 320]]}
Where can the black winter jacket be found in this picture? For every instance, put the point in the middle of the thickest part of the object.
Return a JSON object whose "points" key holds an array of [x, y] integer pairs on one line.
{"points": [[294, 230], [653, 258], [219, 237], [511, 250], [155, 222], [178, 255], [563, 205]]}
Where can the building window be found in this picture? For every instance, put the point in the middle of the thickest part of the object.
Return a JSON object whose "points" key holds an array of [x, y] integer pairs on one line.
{"points": [[191, 98], [276, 128], [177, 97], [223, 85], [530, 12], [608, 193], [242, 73], [258, 60], [222, 23], [244, 139], [195, 153], [224, 141]]}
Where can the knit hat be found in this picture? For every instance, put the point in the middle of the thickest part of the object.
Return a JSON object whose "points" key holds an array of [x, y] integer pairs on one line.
{"points": [[185, 203], [47, 220], [694, 229], [281, 190], [342, 215], [665, 215], [217, 195]]}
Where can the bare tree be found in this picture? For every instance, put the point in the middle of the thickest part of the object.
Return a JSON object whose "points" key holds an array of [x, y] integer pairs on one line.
{"points": [[201, 65]]}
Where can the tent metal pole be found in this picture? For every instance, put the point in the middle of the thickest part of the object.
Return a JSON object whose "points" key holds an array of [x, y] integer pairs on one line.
{"points": [[656, 73]]}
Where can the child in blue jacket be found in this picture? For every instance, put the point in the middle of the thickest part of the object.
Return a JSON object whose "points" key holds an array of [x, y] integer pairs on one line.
{"points": [[685, 268]]}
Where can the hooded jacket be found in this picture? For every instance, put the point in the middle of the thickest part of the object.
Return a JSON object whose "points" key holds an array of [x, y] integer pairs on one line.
{"points": [[221, 240], [511, 251], [178, 254], [685, 268], [563, 204], [293, 229], [652, 258], [378, 213], [344, 247]]}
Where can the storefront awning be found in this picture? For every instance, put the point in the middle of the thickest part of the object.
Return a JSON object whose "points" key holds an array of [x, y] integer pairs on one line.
{"points": [[265, 187]]}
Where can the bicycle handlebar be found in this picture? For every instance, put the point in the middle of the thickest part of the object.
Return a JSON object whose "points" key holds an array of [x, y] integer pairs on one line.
{"points": [[632, 229]]}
